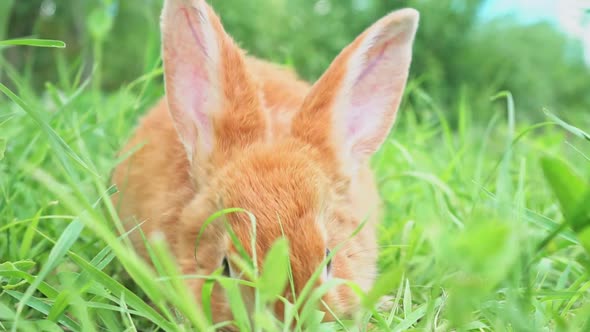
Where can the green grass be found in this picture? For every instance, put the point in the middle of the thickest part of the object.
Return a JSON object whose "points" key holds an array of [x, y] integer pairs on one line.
{"points": [[487, 225]]}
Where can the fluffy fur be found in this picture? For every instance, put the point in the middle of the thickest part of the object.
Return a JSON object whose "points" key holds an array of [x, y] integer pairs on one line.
{"points": [[235, 131]]}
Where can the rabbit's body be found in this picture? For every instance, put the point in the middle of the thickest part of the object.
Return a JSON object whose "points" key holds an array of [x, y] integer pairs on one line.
{"points": [[258, 138]]}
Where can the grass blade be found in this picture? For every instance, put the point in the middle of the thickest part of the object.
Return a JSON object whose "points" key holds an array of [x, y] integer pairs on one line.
{"points": [[56, 141], [33, 42], [63, 244]]}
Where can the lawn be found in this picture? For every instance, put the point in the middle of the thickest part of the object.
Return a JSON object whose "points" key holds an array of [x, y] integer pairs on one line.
{"points": [[486, 225]]}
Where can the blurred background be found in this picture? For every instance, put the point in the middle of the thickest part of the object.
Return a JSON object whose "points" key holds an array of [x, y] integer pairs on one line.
{"points": [[538, 50], [465, 179]]}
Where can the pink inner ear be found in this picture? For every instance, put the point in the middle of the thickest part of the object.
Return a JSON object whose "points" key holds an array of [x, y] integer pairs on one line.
{"points": [[376, 93], [190, 82], [190, 91], [372, 63], [204, 125], [362, 105], [194, 32]]}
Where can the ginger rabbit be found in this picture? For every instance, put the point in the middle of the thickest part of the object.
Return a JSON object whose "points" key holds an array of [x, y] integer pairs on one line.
{"points": [[236, 131]]}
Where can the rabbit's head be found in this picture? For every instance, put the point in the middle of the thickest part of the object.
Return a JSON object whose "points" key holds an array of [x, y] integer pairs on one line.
{"points": [[299, 186]]}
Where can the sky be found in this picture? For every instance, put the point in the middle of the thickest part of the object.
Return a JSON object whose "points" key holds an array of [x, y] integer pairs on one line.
{"points": [[568, 15]]}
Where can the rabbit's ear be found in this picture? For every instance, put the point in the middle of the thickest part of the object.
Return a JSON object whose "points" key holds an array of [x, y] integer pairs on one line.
{"points": [[349, 112], [212, 98]]}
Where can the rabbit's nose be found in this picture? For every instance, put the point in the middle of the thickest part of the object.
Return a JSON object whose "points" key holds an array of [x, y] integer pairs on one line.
{"points": [[279, 307], [279, 310]]}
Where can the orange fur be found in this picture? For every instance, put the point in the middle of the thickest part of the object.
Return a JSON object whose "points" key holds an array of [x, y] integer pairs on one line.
{"points": [[275, 153]]}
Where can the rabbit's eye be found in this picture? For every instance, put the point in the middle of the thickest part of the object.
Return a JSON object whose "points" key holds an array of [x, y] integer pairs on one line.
{"points": [[225, 265], [329, 265]]}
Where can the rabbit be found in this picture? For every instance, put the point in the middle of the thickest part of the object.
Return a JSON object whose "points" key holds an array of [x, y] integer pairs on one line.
{"points": [[237, 131]]}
